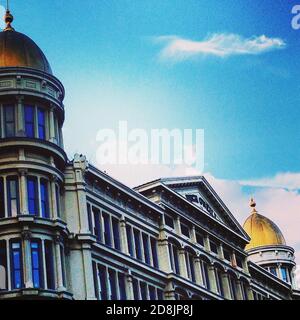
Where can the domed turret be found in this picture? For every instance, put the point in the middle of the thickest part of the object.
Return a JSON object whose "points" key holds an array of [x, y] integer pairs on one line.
{"points": [[267, 246], [18, 50], [262, 231]]}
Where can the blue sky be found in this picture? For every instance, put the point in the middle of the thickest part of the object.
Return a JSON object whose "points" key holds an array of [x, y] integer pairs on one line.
{"points": [[107, 54], [104, 54]]}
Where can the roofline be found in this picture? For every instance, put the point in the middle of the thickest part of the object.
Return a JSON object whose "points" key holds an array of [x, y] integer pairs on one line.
{"points": [[195, 179], [119, 185]]}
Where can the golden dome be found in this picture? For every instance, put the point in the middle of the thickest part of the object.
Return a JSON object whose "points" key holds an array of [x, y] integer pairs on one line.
{"points": [[18, 50], [262, 231]]}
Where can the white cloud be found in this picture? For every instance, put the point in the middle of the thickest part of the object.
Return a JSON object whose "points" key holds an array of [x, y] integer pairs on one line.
{"points": [[287, 180], [220, 45]]}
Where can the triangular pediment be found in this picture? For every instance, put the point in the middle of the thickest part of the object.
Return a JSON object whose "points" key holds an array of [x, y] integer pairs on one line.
{"points": [[200, 193]]}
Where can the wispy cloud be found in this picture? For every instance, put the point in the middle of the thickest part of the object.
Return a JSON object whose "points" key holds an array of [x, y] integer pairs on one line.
{"points": [[219, 45], [287, 180]]}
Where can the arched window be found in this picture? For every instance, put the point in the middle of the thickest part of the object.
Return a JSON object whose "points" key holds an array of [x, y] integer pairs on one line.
{"points": [[232, 286]]}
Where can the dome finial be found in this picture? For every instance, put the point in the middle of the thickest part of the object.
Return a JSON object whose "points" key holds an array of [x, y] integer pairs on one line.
{"points": [[253, 205], [8, 18]]}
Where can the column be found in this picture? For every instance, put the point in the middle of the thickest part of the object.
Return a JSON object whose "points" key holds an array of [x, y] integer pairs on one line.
{"points": [[58, 261], [206, 243], [53, 197], [177, 225], [129, 287], [123, 236], [44, 264], [226, 286], [20, 117], [220, 251], [8, 265], [23, 192], [170, 292], [212, 278], [88, 272], [26, 236], [193, 234], [182, 263], [198, 271], [163, 252], [52, 137]]}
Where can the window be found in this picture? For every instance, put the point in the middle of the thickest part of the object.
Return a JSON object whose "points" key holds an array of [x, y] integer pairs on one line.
{"points": [[154, 252], [112, 284], [63, 272], [136, 293], [185, 230], [244, 290], [137, 242], [200, 239], [122, 286], [36, 265], [173, 251], [146, 248], [32, 194], [273, 271], [49, 265], [9, 121], [239, 262], [116, 233], [227, 254], [16, 265], [213, 247], [160, 294], [190, 266], [169, 221], [204, 268], [89, 214], [144, 292], [152, 293], [103, 284], [3, 266], [2, 202], [232, 286], [41, 124], [97, 225], [29, 121], [284, 274], [107, 233], [44, 199], [129, 240], [218, 274], [95, 276], [13, 196]]}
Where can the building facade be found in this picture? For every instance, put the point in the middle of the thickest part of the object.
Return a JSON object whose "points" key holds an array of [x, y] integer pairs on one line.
{"points": [[70, 231]]}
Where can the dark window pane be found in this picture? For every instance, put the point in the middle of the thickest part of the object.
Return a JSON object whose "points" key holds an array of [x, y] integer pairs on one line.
{"points": [[103, 284], [29, 121], [36, 265], [32, 195], [41, 124], [122, 286], [152, 293], [129, 240], [13, 196], [3, 266], [154, 252], [144, 290], [169, 221], [107, 231], [16, 265], [135, 285], [137, 242], [57, 194], [49, 265], [44, 199], [97, 227], [116, 232], [89, 213], [2, 203], [213, 247], [146, 248], [112, 284], [185, 230], [9, 121], [200, 239]]}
